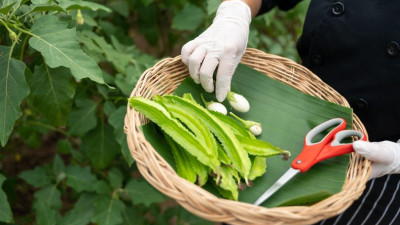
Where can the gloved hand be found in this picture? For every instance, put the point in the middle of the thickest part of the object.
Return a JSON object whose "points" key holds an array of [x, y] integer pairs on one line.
{"points": [[385, 156], [222, 44]]}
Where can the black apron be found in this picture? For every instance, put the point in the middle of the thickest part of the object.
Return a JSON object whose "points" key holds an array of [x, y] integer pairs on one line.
{"points": [[353, 46]]}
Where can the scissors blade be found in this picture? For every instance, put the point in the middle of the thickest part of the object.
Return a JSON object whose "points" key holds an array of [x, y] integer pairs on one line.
{"points": [[278, 184]]}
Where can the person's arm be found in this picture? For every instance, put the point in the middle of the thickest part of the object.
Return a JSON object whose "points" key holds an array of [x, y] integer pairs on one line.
{"points": [[254, 6]]}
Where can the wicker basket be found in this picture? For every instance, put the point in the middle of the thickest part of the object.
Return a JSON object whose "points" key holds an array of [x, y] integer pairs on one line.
{"points": [[165, 76]]}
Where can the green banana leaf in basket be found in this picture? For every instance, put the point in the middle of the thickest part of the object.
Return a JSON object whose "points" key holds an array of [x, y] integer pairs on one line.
{"points": [[286, 115]]}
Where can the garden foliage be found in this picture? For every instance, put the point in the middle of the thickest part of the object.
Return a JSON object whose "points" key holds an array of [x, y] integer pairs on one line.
{"points": [[67, 68]]}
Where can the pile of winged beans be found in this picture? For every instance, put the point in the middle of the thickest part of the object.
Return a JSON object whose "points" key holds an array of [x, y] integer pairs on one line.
{"points": [[207, 144]]}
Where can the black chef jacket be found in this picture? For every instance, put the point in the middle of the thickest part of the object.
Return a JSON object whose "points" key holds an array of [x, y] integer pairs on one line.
{"points": [[353, 45]]}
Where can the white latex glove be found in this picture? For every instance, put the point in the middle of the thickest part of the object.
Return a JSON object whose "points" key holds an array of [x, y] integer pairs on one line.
{"points": [[222, 44], [385, 156]]}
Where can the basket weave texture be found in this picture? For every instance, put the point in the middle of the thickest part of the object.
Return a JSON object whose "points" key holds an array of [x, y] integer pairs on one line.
{"points": [[165, 76]]}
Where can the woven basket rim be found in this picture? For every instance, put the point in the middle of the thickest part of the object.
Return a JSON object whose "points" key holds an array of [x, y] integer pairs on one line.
{"points": [[208, 206]]}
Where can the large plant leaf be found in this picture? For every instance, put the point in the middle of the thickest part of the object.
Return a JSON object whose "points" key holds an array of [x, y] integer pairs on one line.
{"points": [[83, 117], [50, 196], [116, 120], [189, 18], [108, 210], [52, 93], [36, 177], [82, 212], [79, 4], [13, 89], [100, 146], [44, 214], [6, 6], [98, 43], [80, 178], [5, 210], [286, 115], [115, 178], [133, 216], [141, 192], [60, 47]]}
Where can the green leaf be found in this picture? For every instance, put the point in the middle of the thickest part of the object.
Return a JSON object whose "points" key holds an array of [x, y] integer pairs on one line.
{"points": [[79, 4], [116, 120], [189, 18], [212, 6], [83, 118], [13, 89], [146, 2], [58, 165], [120, 7], [64, 146], [100, 146], [125, 83], [60, 47], [80, 178], [44, 214], [108, 108], [102, 187], [41, 1], [45, 7], [185, 217], [6, 6], [133, 216], [108, 211], [36, 177], [6, 214], [142, 192], [99, 44], [50, 196], [52, 93], [82, 212], [115, 177]]}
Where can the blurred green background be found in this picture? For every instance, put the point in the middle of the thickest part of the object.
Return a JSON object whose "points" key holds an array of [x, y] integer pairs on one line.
{"points": [[79, 171]]}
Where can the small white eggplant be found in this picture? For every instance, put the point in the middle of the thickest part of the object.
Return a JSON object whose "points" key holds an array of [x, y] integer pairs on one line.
{"points": [[254, 127], [215, 106], [238, 102]]}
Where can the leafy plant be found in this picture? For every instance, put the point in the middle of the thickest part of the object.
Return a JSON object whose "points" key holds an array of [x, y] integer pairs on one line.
{"points": [[67, 68]]}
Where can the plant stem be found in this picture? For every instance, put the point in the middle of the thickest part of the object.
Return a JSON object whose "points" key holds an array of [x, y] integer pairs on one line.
{"points": [[5, 25], [22, 30], [21, 57], [40, 124], [12, 46]]}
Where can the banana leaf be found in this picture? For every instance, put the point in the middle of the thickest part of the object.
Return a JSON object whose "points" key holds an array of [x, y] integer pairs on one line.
{"points": [[286, 115]]}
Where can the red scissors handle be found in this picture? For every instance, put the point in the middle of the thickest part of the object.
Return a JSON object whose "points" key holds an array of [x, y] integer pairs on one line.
{"points": [[330, 146]]}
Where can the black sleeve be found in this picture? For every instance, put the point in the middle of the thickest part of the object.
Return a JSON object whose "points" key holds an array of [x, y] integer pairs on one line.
{"points": [[267, 5]]}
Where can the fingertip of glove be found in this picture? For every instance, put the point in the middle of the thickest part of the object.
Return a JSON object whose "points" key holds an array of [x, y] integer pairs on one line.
{"points": [[220, 97], [358, 143], [360, 146]]}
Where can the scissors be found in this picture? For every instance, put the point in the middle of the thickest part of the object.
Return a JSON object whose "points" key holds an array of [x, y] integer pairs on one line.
{"points": [[313, 152]]}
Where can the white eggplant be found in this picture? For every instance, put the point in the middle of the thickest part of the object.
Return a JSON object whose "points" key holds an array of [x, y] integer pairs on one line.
{"points": [[238, 102], [254, 127], [215, 106]]}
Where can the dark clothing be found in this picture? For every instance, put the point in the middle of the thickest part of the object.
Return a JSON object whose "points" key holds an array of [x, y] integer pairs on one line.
{"points": [[353, 46]]}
